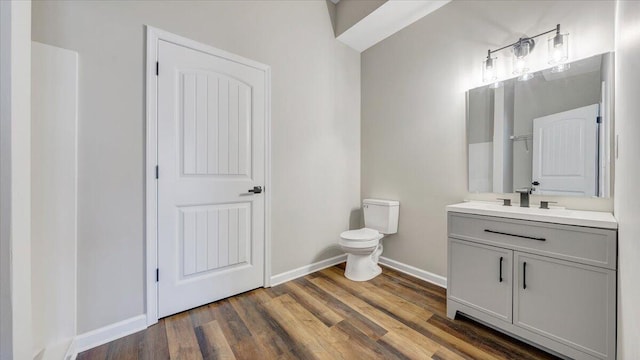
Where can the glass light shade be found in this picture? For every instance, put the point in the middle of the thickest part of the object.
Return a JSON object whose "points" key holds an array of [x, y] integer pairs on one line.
{"points": [[489, 69], [520, 65], [558, 49], [520, 52]]}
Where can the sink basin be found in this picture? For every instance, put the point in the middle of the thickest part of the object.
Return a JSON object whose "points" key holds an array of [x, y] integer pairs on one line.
{"points": [[555, 214]]}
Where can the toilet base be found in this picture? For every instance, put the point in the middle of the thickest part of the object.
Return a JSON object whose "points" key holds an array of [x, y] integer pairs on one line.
{"points": [[361, 267]]}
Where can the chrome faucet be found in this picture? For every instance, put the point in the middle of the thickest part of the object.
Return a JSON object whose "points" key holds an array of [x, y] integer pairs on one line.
{"points": [[524, 196]]}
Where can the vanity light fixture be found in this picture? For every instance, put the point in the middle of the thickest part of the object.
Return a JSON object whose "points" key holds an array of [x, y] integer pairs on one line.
{"points": [[558, 56]]}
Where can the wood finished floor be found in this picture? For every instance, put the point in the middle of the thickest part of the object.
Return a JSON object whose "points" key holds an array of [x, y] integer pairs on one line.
{"points": [[322, 316]]}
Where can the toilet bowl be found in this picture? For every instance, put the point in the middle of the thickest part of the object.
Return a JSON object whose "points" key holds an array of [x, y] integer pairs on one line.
{"points": [[364, 246]]}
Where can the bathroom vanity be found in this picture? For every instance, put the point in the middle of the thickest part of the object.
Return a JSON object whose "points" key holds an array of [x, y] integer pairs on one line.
{"points": [[545, 276]]}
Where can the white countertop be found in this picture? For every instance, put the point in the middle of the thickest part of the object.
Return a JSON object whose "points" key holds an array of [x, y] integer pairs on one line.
{"points": [[555, 215]]}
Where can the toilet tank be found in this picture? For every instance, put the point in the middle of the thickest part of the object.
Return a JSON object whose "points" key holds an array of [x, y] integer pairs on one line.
{"points": [[381, 215]]}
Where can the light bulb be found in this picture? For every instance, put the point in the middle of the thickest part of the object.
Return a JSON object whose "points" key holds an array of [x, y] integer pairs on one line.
{"points": [[521, 50], [489, 71], [558, 48], [520, 65]]}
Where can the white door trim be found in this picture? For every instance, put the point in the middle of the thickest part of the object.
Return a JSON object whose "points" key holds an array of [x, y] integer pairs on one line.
{"points": [[154, 35]]}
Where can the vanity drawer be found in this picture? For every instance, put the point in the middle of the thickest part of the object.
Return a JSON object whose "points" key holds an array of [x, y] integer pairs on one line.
{"points": [[584, 245]]}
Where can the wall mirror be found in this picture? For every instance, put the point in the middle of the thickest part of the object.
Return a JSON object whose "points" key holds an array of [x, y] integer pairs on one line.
{"points": [[552, 133]]}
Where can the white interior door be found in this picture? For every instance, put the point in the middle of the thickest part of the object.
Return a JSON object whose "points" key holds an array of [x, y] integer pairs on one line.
{"points": [[565, 152], [211, 146]]}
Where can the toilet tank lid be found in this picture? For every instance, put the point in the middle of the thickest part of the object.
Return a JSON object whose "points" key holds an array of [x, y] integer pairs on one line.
{"points": [[381, 202]]}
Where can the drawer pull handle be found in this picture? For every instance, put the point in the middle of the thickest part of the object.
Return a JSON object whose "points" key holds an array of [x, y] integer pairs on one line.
{"points": [[520, 236], [500, 274], [524, 275]]}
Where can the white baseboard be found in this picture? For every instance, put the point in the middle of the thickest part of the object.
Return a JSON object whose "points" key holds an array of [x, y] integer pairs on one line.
{"points": [[38, 354], [307, 269], [396, 265], [72, 351], [415, 272], [55, 351], [106, 334]]}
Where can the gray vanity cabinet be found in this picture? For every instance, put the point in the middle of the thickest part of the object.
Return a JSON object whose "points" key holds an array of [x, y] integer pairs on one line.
{"points": [[551, 285], [567, 302], [483, 277]]}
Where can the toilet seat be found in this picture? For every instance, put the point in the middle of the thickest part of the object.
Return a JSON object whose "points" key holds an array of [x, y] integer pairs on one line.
{"points": [[361, 234], [361, 238]]}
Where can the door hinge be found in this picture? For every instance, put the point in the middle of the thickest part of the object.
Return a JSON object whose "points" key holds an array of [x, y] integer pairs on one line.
{"points": [[599, 120], [157, 172], [157, 68], [157, 275]]}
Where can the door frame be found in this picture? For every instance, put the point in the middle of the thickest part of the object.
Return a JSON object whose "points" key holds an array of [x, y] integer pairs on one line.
{"points": [[154, 35]]}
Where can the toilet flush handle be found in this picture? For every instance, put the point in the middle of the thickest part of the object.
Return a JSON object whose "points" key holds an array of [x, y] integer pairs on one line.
{"points": [[256, 190]]}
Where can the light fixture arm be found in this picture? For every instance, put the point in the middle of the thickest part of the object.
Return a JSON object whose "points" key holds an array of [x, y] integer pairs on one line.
{"points": [[526, 38]]}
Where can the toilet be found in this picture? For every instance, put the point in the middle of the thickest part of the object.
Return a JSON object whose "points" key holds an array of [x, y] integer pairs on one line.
{"points": [[363, 246]]}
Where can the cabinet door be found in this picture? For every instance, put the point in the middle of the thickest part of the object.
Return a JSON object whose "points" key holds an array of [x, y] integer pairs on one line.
{"points": [[567, 302], [480, 277]]}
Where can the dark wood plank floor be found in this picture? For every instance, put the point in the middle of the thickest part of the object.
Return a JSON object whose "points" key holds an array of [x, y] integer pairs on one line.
{"points": [[322, 316]]}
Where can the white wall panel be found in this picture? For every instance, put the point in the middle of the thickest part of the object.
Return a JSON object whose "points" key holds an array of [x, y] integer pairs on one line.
{"points": [[627, 197], [54, 117], [216, 122], [15, 180], [214, 236]]}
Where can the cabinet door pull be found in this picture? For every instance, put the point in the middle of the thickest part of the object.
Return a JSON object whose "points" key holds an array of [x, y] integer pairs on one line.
{"points": [[500, 274], [524, 275], [515, 235]]}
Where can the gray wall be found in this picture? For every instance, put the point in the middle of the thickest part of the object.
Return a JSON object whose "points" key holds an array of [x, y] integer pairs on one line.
{"points": [[315, 129], [627, 197], [413, 108], [349, 12]]}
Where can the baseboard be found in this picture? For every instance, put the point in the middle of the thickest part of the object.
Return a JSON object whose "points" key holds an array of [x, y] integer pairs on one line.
{"points": [[396, 265], [55, 351], [72, 351], [106, 334], [307, 269], [415, 272], [38, 354]]}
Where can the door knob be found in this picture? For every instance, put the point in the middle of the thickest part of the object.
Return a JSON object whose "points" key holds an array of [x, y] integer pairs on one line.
{"points": [[256, 190]]}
